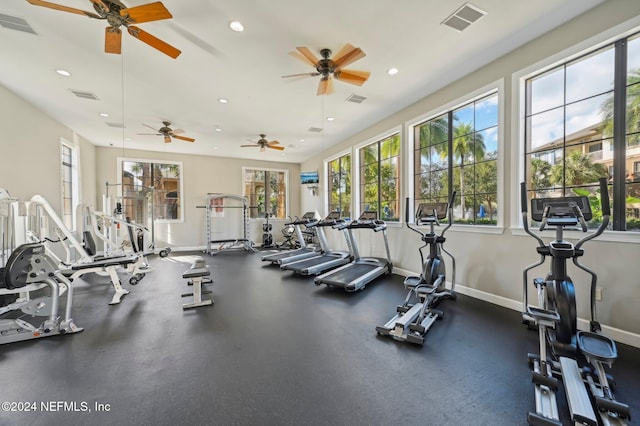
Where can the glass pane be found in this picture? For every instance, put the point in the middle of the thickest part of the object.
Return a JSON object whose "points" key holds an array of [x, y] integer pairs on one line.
{"points": [[546, 91], [545, 129], [486, 177], [486, 112], [463, 150], [486, 144], [438, 156], [463, 121], [633, 112], [632, 206], [633, 60], [585, 120], [539, 170], [369, 154], [590, 76]]}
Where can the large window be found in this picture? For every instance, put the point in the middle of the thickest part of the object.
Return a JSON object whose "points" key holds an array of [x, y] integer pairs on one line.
{"points": [[583, 123], [458, 150], [339, 177], [379, 178], [266, 191], [151, 190], [69, 182]]}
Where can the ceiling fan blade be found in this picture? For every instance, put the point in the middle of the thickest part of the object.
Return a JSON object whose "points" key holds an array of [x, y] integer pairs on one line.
{"points": [[100, 5], [183, 138], [308, 55], [167, 139], [154, 42], [152, 128], [64, 8], [304, 74], [248, 146], [299, 56], [273, 143], [150, 134], [146, 13], [349, 57], [279, 148], [352, 76], [113, 40], [325, 87], [177, 131]]}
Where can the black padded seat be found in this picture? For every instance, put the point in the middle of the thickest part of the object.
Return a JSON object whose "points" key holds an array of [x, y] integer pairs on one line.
{"points": [[103, 263], [198, 272]]}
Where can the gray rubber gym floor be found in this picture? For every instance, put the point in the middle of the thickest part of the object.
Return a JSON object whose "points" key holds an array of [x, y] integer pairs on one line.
{"points": [[275, 350]]}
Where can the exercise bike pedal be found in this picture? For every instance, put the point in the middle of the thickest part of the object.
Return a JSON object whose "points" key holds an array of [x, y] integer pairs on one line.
{"points": [[543, 316]]}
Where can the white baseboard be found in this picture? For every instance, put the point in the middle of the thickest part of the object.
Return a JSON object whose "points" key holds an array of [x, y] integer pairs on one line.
{"points": [[616, 334]]}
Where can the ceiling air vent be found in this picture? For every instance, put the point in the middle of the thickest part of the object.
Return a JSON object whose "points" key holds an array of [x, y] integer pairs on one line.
{"points": [[13, 23], [116, 125], [463, 17], [83, 94], [356, 99], [315, 129]]}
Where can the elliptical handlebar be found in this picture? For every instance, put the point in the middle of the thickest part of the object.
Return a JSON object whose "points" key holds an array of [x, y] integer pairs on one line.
{"points": [[449, 215], [606, 213]]}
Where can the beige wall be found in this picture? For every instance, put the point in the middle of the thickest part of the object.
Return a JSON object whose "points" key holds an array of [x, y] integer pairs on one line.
{"points": [[202, 174], [488, 265], [30, 141]]}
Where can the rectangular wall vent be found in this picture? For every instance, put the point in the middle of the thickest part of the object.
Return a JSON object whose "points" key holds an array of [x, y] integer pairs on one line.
{"points": [[84, 94], [116, 125], [14, 23], [466, 15], [315, 129], [356, 99]]}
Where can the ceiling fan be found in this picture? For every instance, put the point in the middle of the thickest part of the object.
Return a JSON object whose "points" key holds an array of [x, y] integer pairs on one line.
{"points": [[168, 133], [263, 144], [327, 67], [117, 15]]}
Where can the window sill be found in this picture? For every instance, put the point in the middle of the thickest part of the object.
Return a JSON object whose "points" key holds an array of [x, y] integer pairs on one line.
{"points": [[608, 236]]}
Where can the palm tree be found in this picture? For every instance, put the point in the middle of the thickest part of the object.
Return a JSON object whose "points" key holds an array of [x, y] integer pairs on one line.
{"points": [[467, 146], [632, 110], [578, 169]]}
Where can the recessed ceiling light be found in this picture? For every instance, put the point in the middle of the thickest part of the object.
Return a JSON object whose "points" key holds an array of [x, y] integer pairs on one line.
{"points": [[104, 114], [127, 139], [63, 72], [301, 140], [330, 118], [215, 147], [236, 26], [392, 71], [223, 100], [218, 129]]}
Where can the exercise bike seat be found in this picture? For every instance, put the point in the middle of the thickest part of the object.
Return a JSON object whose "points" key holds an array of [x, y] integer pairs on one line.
{"points": [[596, 346]]}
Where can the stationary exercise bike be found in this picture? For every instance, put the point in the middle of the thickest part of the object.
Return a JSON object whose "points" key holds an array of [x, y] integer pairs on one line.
{"points": [[417, 313], [562, 346]]}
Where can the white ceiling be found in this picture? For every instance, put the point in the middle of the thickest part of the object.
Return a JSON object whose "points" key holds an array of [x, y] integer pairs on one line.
{"points": [[143, 86]]}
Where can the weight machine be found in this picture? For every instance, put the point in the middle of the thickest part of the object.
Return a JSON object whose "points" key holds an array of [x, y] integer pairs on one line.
{"points": [[222, 210]]}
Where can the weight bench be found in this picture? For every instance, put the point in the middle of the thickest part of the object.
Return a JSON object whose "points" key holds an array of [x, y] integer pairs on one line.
{"points": [[197, 275]]}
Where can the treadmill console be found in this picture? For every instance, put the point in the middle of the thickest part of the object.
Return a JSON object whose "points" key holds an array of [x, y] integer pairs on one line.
{"points": [[429, 211], [368, 216], [562, 211]]}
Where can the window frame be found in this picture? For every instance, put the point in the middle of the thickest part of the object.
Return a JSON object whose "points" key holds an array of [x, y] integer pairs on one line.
{"points": [[518, 110], [617, 141], [120, 160], [286, 183], [356, 178], [496, 87], [327, 174], [75, 182]]}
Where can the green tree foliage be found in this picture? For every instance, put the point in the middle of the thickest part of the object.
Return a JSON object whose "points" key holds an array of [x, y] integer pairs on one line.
{"points": [[578, 169]]}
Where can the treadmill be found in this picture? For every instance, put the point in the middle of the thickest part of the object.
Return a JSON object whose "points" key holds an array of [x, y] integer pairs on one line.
{"points": [[281, 258], [327, 259], [357, 274]]}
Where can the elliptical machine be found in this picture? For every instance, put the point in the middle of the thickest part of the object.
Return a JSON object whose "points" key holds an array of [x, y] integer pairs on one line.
{"points": [[561, 344], [416, 315]]}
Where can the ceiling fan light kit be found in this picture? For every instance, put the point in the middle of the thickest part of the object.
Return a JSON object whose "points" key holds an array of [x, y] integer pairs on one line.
{"points": [[117, 15], [328, 68]]}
